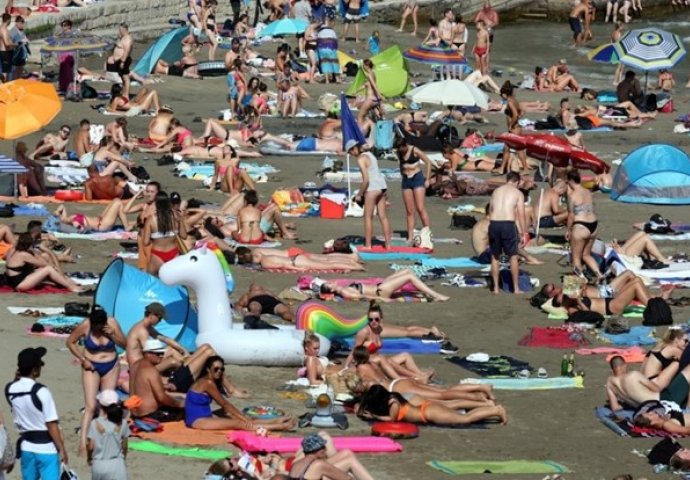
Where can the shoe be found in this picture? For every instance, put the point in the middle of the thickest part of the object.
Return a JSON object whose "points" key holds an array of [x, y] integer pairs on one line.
{"points": [[448, 348], [431, 338]]}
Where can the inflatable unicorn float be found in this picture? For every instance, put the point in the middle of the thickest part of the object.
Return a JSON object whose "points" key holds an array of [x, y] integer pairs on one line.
{"points": [[201, 271]]}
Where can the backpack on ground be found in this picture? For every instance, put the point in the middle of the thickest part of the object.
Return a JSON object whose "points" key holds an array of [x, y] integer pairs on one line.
{"points": [[657, 312]]}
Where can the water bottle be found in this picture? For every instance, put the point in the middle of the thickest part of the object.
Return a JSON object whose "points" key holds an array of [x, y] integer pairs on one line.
{"points": [[571, 365], [564, 365]]}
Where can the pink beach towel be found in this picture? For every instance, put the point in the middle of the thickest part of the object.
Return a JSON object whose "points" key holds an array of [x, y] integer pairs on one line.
{"points": [[250, 442], [553, 337]]}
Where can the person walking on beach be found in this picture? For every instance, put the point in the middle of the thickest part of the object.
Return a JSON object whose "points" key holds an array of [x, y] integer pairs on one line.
{"points": [[353, 14], [122, 56], [481, 49], [507, 229], [575, 20], [35, 415], [108, 433], [6, 47]]}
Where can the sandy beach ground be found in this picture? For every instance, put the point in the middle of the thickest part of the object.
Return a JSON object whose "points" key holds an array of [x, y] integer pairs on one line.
{"points": [[558, 424]]}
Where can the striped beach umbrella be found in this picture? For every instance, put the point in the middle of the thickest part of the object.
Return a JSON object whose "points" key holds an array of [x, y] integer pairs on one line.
{"points": [[604, 54], [650, 49], [9, 166], [435, 55]]}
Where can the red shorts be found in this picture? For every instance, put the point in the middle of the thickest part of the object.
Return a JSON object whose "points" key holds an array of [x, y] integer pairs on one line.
{"points": [[166, 255], [480, 51]]}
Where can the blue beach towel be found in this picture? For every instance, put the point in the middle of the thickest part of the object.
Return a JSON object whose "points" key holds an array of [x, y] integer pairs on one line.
{"points": [[638, 335], [454, 262], [388, 256], [400, 345]]}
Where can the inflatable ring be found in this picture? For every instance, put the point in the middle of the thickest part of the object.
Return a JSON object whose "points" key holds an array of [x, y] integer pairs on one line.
{"points": [[211, 69], [319, 318], [69, 195], [395, 430], [263, 412]]}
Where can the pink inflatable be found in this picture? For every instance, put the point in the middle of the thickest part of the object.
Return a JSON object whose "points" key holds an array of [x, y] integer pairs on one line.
{"points": [[250, 442]]}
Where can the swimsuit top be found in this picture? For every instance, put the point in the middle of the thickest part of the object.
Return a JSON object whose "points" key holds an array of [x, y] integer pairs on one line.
{"points": [[357, 286], [25, 269], [508, 110], [304, 472], [159, 235], [373, 347], [665, 362], [583, 208], [92, 346], [410, 158]]}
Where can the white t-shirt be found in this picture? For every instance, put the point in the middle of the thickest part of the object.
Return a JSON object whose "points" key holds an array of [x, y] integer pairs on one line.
{"points": [[28, 418], [302, 10]]}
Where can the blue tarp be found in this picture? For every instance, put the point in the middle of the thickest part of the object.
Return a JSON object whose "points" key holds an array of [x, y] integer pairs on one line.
{"points": [[168, 47]]}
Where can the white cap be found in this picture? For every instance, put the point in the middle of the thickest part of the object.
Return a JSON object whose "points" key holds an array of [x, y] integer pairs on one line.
{"points": [[154, 345], [351, 144], [107, 397]]}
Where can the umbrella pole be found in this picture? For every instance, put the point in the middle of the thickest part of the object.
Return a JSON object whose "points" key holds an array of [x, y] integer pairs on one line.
{"points": [[349, 181], [541, 199], [16, 187]]}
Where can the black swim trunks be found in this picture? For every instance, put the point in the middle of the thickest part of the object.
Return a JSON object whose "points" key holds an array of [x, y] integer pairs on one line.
{"points": [[268, 303], [503, 238], [484, 258], [6, 61], [175, 70], [123, 68], [182, 378], [677, 391], [575, 25], [165, 415], [547, 221]]}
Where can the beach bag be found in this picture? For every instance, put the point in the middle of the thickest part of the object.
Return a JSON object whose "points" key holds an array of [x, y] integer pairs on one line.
{"points": [[76, 309], [6, 211], [68, 473], [656, 313], [7, 449], [662, 452], [327, 101], [462, 222], [505, 281], [658, 225], [665, 105], [351, 69], [384, 134], [617, 326], [140, 173], [87, 91], [586, 316]]}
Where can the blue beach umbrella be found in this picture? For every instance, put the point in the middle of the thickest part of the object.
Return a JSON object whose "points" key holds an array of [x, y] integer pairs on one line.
{"points": [[650, 49], [168, 48], [351, 131], [285, 26], [604, 54]]}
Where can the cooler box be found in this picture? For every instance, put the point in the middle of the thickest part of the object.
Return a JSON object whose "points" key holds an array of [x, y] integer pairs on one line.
{"points": [[333, 206]]}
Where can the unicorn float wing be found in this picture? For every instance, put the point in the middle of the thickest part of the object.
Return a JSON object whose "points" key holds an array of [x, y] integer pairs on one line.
{"points": [[201, 271]]}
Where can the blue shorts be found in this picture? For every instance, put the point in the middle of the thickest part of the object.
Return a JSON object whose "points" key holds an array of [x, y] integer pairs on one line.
{"points": [[232, 86], [575, 25], [415, 181], [306, 145], [37, 466], [484, 258], [503, 238]]}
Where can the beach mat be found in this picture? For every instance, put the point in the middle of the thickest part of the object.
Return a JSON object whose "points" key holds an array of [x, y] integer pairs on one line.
{"points": [[98, 236], [392, 346], [638, 335], [552, 337], [178, 433], [390, 256], [552, 383], [631, 311], [43, 311], [45, 199], [453, 262], [621, 424], [250, 442], [630, 354], [173, 451], [264, 244], [510, 467], [499, 366], [41, 290]]}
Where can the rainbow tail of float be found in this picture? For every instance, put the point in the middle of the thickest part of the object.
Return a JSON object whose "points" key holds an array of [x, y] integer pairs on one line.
{"points": [[325, 321], [229, 280]]}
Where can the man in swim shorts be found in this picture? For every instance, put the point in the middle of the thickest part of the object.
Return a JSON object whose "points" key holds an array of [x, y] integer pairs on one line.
{"points": [[575, 21], [551, 214], [507, 223], [259, 301], [352, 15], [122, 56], [6, 46]]}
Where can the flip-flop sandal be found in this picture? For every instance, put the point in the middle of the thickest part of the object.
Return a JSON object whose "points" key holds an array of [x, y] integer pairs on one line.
{"points": [[541, 373], [523, 374]]}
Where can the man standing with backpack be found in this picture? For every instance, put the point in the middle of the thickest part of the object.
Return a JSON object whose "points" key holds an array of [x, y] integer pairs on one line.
{"points": [[40, 447]]}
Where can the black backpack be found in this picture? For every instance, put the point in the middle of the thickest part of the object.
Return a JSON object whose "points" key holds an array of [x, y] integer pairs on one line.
{"points": [[462, 222], [662, 452], [657, 312], [33, 392]]}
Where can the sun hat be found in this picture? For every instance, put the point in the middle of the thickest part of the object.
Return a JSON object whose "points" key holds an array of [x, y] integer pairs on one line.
{"points": [[107, 397], [313, 443], [154, 345], [352, 143]]}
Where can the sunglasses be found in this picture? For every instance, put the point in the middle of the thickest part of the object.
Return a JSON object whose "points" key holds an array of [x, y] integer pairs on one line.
{"points": [[374, 319], [218, 369], [66, 132]]}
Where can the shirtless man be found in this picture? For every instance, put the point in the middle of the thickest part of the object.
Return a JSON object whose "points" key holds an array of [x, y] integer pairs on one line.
{"points": [[98, 187], [445, 27], [551, 214], [53, 144], [630, 389], [146, 383], [82, 140], [353, 14], [480, 242], [233, 54], [144, 330], [481, 48], [507, 228], [297, 260], [329, 127], [159, 126], [575, 20], [118, 131], [254, 225], [6, 46], [122, 56]]}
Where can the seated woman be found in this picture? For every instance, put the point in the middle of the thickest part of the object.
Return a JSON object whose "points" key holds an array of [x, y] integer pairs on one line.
{"points": [[245, 136], [33, 181], [144, 101], [290, 96], [179, 137], [320, 460], [25, 270], [401, 365], [208, 388], [461, 161], [639, 244], [379, 404], [470, 395], [661, 362], [104, 222], [107, 161], [296, 259], [558, 78], [315, 367], [228, 174], [186, 67], [384, 290]]}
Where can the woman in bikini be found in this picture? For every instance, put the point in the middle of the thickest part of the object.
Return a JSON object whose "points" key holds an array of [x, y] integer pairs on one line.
{"points": [[209, 388], [411, 7], [661, 362], [379, 404], [513, 113], [310, 49], [107, 161], [227, 172], [24, 270], [163, 232], [315, 367], [461, 161], [179, 137], [100, 366], [414, 184], [384, 290], [394, 366], [186, 67], [144, 101], [246, 135], [296, 259], [372, 96], [104, 222], [194, 12], [581, 225], [208, 27]]}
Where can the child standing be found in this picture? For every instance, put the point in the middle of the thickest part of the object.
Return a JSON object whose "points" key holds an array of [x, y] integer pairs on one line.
{"points": [[374, 43], [107, 439]]}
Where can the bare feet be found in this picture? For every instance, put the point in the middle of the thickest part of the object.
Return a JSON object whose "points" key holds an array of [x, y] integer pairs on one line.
{"points": [[441, 298], [502, 414]]}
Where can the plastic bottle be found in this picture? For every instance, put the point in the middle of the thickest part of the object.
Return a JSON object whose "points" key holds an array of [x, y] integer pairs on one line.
{"points": [[564, 365], [571, 365]]}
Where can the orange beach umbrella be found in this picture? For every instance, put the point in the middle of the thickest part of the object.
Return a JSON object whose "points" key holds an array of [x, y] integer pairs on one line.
{"points": [[26, 106]]}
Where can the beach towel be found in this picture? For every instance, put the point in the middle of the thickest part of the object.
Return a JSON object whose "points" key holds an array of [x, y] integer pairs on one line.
{"points": [[98, 236], [193, 452], [620, 422], [250, 442], [264, 244], [676, 270], [46, 199], [551, 383], [40, 290], [453, 262], [393, 255], [36, 311], [500, 366], [415, 346], [31, 210], [553, 337], [514, 467], [69, 175], [638, 335], [59, 326], [631, 311], [178, 433], [631, 354]]}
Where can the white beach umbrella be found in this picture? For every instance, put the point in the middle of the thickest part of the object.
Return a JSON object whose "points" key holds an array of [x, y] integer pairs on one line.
{"points": [[450, 93]]}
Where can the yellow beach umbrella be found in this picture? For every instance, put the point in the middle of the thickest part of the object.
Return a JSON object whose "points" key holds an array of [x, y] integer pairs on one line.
{"points": [[26, 106]]}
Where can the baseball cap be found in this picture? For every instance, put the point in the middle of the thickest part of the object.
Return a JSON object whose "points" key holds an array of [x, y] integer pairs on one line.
{"points": [[352, 143], [154, 345], [175, 198], [155, 308], [108, 397], [313, 443], [30, 358]]}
